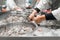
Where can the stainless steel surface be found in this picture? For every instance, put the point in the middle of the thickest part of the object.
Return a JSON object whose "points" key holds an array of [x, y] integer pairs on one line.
{"points": [[21, 23], [15, 24]]}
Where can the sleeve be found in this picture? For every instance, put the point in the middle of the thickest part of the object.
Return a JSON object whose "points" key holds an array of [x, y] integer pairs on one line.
{"points": [[56, 13], [43, 4], [50, 16], [10, 4]]}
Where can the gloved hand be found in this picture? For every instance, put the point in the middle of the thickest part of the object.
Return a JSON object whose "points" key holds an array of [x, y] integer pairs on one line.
{"points": [[4, 10], [31, 16], [39, 18]]}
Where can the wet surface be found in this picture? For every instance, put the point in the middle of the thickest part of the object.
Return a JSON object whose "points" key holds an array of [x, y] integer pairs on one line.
{"points": [[12, 25]]}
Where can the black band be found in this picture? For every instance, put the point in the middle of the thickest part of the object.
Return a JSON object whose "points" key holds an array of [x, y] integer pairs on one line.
{"points": [[38, 10], [50, 17]]}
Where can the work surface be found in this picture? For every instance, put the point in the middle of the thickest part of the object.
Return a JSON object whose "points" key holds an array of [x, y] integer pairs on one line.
{"points": [[12, 26]]}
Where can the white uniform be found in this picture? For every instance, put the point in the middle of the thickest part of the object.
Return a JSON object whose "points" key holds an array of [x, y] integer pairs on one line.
{"points": [[10, 4], [45, 4]]}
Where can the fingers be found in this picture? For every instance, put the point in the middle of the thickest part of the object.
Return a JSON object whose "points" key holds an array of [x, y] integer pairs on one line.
{"points": [[4, 10], [31, 17], [37, 19]]}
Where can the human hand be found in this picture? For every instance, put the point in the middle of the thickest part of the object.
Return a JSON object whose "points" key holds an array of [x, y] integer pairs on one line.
{"points": [[4, 10], [39, 18], [31, 16]]}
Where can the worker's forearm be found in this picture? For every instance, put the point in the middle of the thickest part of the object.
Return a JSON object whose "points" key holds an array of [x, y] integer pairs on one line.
{"points": [[42, 17], [47, 17]]}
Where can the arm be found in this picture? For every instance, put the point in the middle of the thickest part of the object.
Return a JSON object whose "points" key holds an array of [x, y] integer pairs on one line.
{"points": [[41, 18], [55, 15], [43, 4]]}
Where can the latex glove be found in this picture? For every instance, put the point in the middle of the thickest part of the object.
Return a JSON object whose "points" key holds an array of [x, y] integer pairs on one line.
{"points": [[31, 16], [39, 18], [4, 10]]}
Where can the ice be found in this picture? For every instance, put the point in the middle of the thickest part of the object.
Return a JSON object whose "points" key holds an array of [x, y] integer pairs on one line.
{"points": [[21, 31], [25, 30], [57, 32]]}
